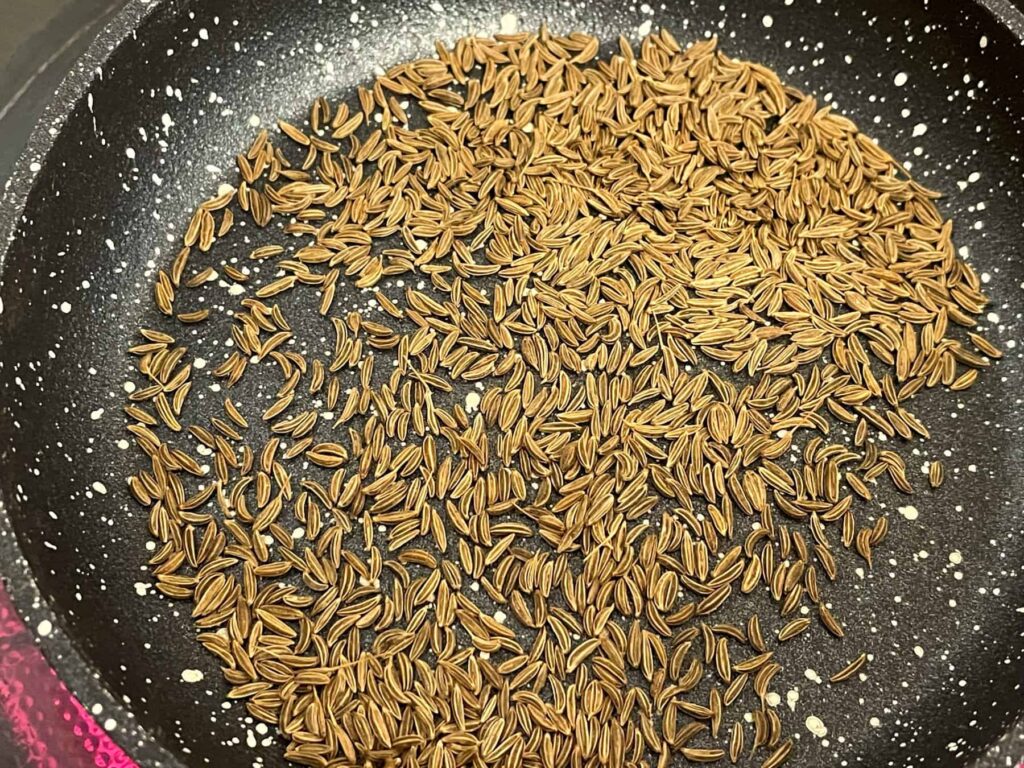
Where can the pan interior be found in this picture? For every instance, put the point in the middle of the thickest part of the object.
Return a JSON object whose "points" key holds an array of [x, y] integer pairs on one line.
{"points": [[939, 86]]}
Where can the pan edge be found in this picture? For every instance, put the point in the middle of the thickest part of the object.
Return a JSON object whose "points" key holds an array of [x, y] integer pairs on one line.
{"points": [[72, 666]]}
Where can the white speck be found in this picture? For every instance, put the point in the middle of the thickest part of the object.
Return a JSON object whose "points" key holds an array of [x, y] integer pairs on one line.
{"points": [[644, 29], [157, 180], [65, 307], [109, 724], [975, 176], [909, 512], [99, 487], [436, 7], [472, 401], [874, 722], [45, 628], [767, 21], [129, 386], [191, 675], [812, 675], [141, 588], [983, 42], [34, 167], [224, 189], [236, 289], [122, 444], [815, 726], [203, 34], [792, 697], [254, 121], [919, 651], [773, 699], [920, 129], [199, 362], [901, 79], [499, 616], [96, 415]]}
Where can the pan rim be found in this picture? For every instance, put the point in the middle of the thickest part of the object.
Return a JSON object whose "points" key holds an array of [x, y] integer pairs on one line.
{"points": [[73, 667]]}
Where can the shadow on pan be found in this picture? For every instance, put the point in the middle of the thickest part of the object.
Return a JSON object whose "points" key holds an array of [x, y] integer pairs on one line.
{"points": [[148, 123]]}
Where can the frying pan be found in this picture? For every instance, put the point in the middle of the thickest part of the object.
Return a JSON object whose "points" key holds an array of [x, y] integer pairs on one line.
{"points": [[147, 124]]}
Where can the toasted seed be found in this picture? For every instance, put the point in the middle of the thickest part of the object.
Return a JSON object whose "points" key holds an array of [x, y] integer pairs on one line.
{"points": [[736, 743], [850, 669], [193, 317], [695, 755], [583, 398], [793, 628], [779, 756], [830, 622], [985, 346]]}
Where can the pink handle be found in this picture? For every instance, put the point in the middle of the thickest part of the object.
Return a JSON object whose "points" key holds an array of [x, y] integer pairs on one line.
{"points": [[50, 728]]}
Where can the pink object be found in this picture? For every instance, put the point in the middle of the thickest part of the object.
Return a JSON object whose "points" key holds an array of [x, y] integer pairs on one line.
{"points": [[51, 729]]}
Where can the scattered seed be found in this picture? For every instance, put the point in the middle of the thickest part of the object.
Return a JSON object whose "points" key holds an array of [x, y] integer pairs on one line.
{"points": [[480, 522]]}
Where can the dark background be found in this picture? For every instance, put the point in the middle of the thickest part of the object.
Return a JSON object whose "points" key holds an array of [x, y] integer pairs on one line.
{"points": [[39, 42]]}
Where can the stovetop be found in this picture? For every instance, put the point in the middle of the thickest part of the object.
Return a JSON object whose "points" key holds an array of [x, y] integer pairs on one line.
{"points": [[39, 42]]}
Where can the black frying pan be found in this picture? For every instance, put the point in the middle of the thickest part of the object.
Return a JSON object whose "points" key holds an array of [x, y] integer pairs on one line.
{"points": [[163, 99]]}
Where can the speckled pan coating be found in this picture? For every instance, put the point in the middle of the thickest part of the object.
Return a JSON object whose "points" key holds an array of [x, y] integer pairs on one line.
{"points": [[139, 132]]}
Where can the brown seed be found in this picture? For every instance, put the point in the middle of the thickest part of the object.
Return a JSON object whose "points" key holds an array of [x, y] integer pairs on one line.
{"points": [[850, 669], [986, 347], [793, 628], [736, 743], [695, 755], [830, 622], [490, 502], [779, 756]]}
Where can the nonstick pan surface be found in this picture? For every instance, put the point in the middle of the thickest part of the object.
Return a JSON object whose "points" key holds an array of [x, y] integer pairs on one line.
{"points": [[148, 124]]}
